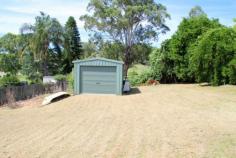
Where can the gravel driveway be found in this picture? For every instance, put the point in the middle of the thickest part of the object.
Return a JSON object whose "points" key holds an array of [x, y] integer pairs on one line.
{"points": [[164, 121]]}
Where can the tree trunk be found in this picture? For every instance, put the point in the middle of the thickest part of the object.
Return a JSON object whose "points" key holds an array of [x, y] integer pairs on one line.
{"points": [[127, 60], [126, 67], [45, 59]]}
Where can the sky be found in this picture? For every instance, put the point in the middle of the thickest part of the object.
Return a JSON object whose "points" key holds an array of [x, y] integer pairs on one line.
{"points": [[13, 13]]}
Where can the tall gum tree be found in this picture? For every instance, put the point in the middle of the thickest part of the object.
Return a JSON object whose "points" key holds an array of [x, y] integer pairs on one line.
{"points": [[126, 21]]}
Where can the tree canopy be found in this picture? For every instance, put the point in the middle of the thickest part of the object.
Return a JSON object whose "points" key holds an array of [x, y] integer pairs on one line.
{"points": [[45, 31], [234, 27], [182, 41], [196, 11], [214, 56], [128, 22], [43, 48], [201, 50], [72, 44]]}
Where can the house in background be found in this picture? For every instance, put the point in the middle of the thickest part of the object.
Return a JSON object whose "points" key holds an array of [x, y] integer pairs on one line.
{"points": [[49, 79]]}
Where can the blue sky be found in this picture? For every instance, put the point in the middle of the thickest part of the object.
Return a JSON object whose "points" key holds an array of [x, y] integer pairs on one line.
{"points": [[13, 13]]}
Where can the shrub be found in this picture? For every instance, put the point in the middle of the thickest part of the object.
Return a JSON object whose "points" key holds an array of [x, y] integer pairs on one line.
{"points": [[35, 77], [70, 80], [145, 76], [138, 79], [133, 78], [31, 69], [156, 63], [9, 80], [230, 72], [60, 77]]}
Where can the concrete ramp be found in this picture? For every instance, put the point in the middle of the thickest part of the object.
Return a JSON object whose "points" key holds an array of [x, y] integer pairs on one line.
{"points": [[55, 97]]}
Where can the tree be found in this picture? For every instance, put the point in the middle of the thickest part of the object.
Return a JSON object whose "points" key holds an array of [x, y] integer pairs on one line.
{"points": [[9, 43], [214, 57], [128, 22], [72, 44], [234, 27], [89, 49], [230, 71], [196, 11], [13, 44], [161, 63], [111, 50], [141, 53], [31, 68], [46, 34], [189, 30], [9, 63]]}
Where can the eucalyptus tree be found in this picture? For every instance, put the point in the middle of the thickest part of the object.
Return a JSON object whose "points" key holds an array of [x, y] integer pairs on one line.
{"points": [[46, 33], [197, 11], [129, 22]]}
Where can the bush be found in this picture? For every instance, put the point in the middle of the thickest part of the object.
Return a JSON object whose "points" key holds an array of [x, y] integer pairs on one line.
{"points": [[9, 80], [138, 79], [133, 78], [31, 69], [230, 72], [35, 77], [145, 76], [60, 77], [156, 63], [70, 80]]}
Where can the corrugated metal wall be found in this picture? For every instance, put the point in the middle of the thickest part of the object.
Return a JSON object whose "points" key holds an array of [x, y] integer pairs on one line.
{"points": [[99, 63]]}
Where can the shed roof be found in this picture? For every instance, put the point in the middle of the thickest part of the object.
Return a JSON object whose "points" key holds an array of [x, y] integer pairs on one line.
{"points": [[98, 59]]}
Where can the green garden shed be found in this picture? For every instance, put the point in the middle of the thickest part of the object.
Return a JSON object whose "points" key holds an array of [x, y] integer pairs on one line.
{"points": [[98, 75]]}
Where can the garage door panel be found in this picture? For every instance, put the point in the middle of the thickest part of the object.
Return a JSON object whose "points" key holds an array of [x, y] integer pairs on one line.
{"points": [[91, 72], [98, 79], [99, 68], [90, 88], [101, 82]]}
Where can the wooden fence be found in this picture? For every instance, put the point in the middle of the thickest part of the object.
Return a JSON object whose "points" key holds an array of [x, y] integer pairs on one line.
{"points": [[16, 93]]}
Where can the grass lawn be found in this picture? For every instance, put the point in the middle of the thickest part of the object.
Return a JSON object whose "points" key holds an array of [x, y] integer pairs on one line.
{"points": [[166, 121]]}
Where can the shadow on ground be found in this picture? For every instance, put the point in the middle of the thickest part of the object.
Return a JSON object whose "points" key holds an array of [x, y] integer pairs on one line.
{"points": [[133, 91]]}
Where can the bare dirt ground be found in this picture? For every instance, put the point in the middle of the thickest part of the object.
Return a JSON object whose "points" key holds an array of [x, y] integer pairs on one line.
{"points": [[164, 121]]}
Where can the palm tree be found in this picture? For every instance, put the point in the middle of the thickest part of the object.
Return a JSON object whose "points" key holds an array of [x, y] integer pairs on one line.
{"points": [[46, 33]]}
